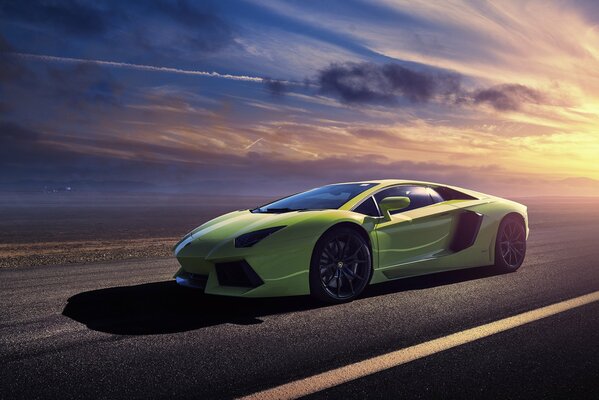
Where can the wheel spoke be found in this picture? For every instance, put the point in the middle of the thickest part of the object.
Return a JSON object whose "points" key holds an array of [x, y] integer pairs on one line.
{"points": [[327, 266], [328, 253], [345, 246], [337, 249], [333, 275], [354, 254], [351, 285], [518, 251]]}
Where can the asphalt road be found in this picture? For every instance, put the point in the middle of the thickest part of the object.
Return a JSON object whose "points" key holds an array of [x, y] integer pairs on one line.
{"points": [[125, 330]]}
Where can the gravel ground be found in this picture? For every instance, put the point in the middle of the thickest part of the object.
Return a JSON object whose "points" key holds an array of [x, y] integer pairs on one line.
{"points": [[61, 229], [78, 252]]}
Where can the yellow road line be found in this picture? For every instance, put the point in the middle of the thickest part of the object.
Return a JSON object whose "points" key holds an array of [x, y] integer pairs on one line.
{"points": [[337, 376]]}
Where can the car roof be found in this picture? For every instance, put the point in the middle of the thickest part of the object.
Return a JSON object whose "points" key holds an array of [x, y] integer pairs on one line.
{"points": [[388, 182], [383, 183]]}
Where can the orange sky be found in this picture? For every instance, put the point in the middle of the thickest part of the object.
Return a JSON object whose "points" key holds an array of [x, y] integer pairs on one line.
{"points": [[500, 96]]}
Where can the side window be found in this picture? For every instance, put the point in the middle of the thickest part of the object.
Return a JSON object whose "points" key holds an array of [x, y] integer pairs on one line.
{"points": [[452, 194], [434, 195], [368, 207], [418, 195]]}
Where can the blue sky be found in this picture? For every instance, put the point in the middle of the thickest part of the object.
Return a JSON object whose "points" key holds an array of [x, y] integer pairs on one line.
{"points": [[276, 96]]}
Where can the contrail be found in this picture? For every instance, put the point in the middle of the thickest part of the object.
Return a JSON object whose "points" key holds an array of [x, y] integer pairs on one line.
{"points": [[142, 67], [253, 143]]}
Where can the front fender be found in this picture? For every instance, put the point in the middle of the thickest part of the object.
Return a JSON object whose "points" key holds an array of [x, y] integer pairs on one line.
{"points": [[281, 260]]}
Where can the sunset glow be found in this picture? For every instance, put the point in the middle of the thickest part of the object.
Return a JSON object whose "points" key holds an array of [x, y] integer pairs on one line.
{"points": [[501, 97]]}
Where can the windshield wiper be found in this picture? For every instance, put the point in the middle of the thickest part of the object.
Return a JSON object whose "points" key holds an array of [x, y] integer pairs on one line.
{"points": [[282, 210], [275, 210]]}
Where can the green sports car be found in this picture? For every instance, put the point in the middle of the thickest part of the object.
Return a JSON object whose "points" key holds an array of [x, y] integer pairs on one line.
{"points": [[332, 241]]}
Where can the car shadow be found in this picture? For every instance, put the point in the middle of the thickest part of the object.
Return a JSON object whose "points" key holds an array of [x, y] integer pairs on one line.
{"points": [[165, 307]]}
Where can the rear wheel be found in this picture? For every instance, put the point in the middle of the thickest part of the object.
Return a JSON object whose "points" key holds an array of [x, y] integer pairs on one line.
{"points": [[341, 266], [510, 246]]}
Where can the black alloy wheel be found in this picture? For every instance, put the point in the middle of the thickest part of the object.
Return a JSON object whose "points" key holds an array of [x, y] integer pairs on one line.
{"points": [[341, 266], [510, 247]]}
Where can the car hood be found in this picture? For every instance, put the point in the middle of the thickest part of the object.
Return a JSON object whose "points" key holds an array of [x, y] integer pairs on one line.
{"points": [[229, 226]]}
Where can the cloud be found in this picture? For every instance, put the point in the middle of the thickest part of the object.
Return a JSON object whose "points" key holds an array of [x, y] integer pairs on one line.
{"points": [[5, 46], [20, 145], [14, 138], [159, 27], [388, 83], [208, 33], [368, 82], [70, 16], [27, 154], [275, 87], [507, 97], [12, 69], [85, 83]]}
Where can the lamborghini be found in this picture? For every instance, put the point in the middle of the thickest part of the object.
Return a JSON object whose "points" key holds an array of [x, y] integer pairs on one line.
{"points": [[333, 241]]}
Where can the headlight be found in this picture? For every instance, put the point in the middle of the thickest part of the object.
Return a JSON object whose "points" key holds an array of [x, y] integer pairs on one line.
{"points": [[250, 239]]}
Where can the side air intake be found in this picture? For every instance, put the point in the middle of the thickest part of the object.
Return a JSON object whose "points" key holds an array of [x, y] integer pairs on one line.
{"points": [[468, 225]]}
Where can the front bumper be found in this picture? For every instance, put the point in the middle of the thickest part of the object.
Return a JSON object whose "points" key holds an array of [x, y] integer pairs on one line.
{"points": [[258, 271]]}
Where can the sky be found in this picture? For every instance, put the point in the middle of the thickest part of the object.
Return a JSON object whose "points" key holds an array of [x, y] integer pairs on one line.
{"points": [[273, 97]]}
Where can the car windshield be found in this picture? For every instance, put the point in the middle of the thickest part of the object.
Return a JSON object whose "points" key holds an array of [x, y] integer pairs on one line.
{"points": [[323, 198]]}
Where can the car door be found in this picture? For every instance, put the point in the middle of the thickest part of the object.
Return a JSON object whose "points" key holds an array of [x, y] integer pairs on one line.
{"points": [[414, 235]]}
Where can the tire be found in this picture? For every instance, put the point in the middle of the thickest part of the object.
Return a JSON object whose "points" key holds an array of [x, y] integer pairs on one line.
{"points": [[341, 266], [510, 245]]}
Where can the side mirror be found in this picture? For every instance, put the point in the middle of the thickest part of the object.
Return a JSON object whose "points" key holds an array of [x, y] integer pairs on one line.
{"points": [[393, 204]]}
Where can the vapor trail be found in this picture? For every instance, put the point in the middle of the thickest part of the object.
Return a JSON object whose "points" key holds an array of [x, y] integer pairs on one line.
{"points": [[253, 143], [142, 67]]}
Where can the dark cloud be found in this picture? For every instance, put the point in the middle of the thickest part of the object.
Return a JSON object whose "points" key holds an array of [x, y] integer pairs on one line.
{"points": [[14, 136], [69, 16], [17, 143], [84, 83], [507, 97], [12, 69], [208, 32], [388, 83], [28, 155], [368, 82], [165, 27], [5, 46], [275, 86]]}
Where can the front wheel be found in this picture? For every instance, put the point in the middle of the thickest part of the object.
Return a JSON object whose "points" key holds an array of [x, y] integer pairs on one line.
{"points": [[510, 246], [341, 266]]}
